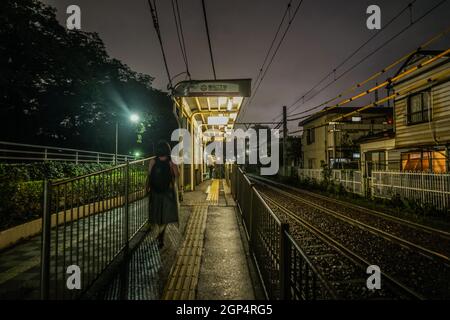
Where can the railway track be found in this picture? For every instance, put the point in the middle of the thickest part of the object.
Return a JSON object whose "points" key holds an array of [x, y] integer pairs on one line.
{"points": [[324, 222], [431, 242], [348, 279]]}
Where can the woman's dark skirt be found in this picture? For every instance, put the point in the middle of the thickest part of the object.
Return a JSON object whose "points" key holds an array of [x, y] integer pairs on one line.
{"points": [[163, 207]]}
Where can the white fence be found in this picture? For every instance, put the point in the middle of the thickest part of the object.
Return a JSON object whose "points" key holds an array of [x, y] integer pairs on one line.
{"points": [[426, 188], [351, 180]]}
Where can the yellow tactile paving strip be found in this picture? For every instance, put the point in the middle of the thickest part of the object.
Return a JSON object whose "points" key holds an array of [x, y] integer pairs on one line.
{"points": [[213, 195], [183, 278]]}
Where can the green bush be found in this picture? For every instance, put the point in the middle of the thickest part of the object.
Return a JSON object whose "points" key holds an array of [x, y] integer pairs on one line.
{"points": [[50, 170], [21, 187], [23, 203]]}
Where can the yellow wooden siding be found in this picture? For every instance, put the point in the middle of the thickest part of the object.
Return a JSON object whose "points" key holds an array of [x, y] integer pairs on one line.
{"points": [[422, 134]]}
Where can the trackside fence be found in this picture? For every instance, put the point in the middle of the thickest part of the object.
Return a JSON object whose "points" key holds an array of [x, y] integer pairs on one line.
{"points": [[285, 270], [425, 188], [87, 223]]}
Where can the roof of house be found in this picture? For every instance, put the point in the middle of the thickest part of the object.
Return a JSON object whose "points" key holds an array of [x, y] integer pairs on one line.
{"points": [[383, 135], [416, 57], [345, 110]]}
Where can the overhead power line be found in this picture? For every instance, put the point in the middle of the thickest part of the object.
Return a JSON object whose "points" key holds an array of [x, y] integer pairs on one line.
{"points": [[348, 58], [388, 81], [154, 14], [180, 34], [261, 69], [205, 18], [376, 75], [261, 79]]}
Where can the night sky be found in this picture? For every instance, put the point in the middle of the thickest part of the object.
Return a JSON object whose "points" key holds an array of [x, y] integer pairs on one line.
{"points": [[322, 35]]}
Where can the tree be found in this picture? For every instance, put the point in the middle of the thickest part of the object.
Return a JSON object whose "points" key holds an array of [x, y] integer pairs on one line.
{"points": [[60, 87]]}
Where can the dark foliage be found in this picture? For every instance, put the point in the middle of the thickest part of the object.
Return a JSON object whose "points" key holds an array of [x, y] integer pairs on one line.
{"points": [[60, 87]]}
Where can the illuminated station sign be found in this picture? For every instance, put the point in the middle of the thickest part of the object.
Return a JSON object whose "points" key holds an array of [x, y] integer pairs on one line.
{"points": [[213, 88]]}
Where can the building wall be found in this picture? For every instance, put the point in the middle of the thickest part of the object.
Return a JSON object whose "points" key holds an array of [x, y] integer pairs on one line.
{"points": [[316, 153], [436, 132]]}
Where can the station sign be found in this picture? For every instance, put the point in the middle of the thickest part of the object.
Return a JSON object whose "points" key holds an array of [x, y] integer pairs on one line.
{"points": [[213, 88]]}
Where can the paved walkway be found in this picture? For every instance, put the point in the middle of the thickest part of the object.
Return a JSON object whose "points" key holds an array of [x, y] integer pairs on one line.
{"points": [[211, 263]]}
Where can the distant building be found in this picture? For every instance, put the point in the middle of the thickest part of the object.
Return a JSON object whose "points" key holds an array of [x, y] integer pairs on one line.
{"points": [[420, 139], [334, 144]]}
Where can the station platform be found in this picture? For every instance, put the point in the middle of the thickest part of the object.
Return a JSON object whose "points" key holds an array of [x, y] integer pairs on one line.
{"points": [[205, 257]]}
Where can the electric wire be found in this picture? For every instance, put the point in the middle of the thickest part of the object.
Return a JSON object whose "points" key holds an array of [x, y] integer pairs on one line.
{"points": [[154, 14], [180, 34], [333, 71], [275, 52], [205, 18], [432, 40]]}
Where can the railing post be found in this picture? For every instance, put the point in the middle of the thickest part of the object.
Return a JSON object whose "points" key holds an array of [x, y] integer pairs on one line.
{"points": [[45, 154], [98, 157], [46, 239], [126, 204], [285, 262], [250, 219], [76, 157]]}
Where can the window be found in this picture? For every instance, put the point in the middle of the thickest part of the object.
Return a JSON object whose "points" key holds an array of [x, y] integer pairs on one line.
{"points": [[433, 161], [418, 107], [310, 136]]}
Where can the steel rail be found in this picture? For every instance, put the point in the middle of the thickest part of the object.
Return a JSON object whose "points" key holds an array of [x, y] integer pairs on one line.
{"points": [[378, 232], [404, 222], [349, 254]]}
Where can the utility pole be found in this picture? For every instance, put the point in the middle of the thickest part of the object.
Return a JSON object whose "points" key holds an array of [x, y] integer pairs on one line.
{"points": [[117, 143], [285, 133]]}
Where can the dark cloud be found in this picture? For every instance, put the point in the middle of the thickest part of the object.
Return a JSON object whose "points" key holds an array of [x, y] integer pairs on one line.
{"points": [[323, 34]]}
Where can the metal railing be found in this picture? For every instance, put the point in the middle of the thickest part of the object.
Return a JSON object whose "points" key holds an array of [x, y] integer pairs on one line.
{"points": [[10, 151], [284, 269], [88, 222]]}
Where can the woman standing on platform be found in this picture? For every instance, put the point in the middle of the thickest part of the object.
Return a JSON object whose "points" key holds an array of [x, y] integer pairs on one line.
{"points": [[162, 184]]}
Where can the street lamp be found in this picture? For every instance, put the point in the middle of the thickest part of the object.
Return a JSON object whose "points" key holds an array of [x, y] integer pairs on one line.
{"points": [[133, 118]]}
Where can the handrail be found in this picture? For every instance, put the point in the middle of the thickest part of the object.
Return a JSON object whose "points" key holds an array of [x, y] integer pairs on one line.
{"points": [[311, 265], [29, 152], [56, 148], [98, 172], [278, 256], [89, 222]]}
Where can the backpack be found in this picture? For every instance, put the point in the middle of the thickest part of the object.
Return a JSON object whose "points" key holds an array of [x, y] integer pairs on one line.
{"points": [[161, 176]]}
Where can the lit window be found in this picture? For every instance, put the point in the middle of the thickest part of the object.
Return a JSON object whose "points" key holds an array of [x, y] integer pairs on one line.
{"points": [[433, 161]]}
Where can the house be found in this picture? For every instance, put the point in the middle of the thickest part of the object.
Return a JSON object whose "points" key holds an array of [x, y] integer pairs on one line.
{"points": [[334, 144], [420, 140]]}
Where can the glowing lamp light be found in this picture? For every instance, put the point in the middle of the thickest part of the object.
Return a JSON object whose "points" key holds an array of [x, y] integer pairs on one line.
{"points": [[222, 101], [217, 121], [134, 118], [230, 105]]}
